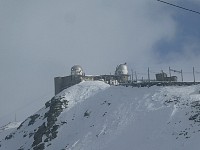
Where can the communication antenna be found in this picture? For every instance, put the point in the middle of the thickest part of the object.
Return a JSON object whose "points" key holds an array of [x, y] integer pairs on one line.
{"points": [[148, 75], [136, 76], [170, 75], [131, 75], [193, 75], [15, 117]]}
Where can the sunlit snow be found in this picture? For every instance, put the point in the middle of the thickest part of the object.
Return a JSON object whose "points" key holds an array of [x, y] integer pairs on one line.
{"points": [[103, 117]]}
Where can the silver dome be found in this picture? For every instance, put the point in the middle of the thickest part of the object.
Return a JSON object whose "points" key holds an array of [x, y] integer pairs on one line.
{"points": [[122, 69], [76, 67], [76, 70]]}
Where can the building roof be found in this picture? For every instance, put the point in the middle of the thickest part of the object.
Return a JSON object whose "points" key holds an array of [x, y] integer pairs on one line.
{"points": [[76, 67]]}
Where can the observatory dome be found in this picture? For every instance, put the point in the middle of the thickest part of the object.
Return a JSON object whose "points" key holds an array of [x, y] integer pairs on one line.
{"points": [[77, 70], [122, 69]]}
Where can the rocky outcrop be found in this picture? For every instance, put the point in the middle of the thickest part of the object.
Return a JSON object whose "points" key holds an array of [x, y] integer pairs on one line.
{"points": [[48, 128]]}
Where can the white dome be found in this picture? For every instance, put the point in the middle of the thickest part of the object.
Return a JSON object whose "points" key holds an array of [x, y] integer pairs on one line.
{"points": [[122, 69], [76, 70]]}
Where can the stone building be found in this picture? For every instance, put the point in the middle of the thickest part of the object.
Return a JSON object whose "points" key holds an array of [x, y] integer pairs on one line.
{"points": [[77, 75]]}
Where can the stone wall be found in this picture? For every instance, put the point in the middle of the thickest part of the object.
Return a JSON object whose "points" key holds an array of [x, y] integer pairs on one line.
{"points": [[62, 83]]}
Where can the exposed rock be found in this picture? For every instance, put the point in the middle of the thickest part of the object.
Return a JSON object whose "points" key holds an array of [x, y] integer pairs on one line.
{"points": [[39, 147], [87, 114], [33, 118], [21, 124], [8, 137], [50, 128], [38, 135]]}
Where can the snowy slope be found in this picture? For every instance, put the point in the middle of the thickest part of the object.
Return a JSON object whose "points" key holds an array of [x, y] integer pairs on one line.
{"points": [[8, 128], [96, 116]]}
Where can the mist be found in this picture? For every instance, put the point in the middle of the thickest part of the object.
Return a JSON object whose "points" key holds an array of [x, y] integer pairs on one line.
{"points": [[40, 40]]}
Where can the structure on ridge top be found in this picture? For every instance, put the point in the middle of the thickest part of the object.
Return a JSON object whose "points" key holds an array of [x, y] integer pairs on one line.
{"points": [[77, 75], [163, 77]]}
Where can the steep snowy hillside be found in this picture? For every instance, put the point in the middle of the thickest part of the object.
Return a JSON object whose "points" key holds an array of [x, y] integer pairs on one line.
{"points": [[96, 116], [8, 128]]}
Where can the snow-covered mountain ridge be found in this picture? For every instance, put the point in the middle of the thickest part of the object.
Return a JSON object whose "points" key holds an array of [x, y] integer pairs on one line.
{"points": [[97, 116]]}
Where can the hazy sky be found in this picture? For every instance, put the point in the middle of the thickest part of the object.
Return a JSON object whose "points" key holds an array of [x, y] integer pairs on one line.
{"points": [[42, 39]]}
